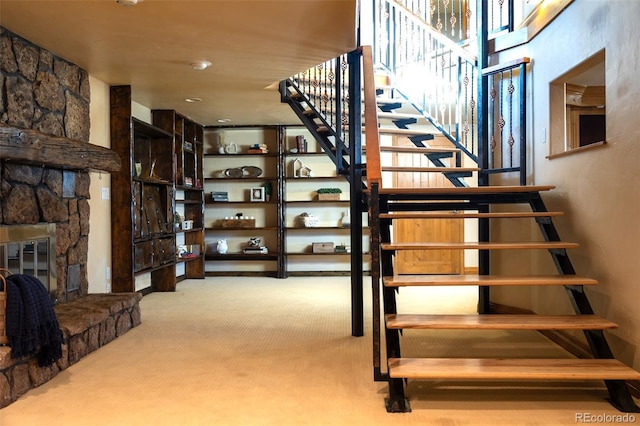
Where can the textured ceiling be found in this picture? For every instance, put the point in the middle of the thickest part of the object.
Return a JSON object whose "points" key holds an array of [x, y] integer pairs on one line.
{"points": [[252, 45]]}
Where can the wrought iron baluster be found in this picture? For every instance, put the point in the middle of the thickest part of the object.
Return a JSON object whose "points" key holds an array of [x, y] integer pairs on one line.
{"points": [[511, 140], [501, 121], [492, 114]]}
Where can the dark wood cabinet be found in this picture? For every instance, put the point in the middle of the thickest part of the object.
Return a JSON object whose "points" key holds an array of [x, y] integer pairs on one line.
{"points": [[161, 174], [189, 192]]}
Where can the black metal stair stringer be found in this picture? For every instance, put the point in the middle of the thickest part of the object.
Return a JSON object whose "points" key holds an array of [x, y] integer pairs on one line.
{"points": [[322, 133], [619, 394], [456, 178], [397, 401]]}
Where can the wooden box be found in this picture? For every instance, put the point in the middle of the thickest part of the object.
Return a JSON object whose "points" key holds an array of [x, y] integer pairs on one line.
{"points": [[238, 223], [328, 197], [322, 247]]}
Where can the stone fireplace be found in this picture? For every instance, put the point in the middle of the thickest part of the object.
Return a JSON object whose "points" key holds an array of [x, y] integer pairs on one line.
{"points": [[45, 158], [51, 96], [32, 196]]}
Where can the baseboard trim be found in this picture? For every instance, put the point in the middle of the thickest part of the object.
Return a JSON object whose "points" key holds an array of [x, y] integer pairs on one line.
{"points": [[560, 338]]}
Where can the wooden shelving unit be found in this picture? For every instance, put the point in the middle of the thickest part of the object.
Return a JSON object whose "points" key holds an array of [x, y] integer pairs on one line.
{"points": [[161, 174], [189, 193], [143, 241], [289, 245]]}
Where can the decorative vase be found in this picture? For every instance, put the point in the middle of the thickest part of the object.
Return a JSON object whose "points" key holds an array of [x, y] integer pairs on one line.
{"points": [[346, 219], [222, 247]]}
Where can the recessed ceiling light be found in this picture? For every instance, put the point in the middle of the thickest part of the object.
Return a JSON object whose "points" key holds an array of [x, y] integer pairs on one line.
{"points": [[193, 100], [224, 120], [200, 65], [128, 2]]}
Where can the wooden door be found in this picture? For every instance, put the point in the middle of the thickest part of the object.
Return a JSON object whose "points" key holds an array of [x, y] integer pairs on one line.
{"points": [[423, 230]]}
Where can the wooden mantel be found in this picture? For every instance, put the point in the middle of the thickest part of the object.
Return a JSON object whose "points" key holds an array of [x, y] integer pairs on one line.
{"points": [[33, 147]]}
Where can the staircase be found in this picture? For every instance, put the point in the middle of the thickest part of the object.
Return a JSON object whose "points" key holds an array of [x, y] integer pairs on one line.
{"points": [[463, 193], [390, 205], [458, 199]]}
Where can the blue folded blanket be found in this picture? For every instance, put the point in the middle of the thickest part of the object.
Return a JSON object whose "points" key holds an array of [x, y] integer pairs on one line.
{"points": [[32, 325]]}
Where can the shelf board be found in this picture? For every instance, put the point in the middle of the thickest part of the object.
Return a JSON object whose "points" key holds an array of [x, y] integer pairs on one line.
{"points": [[316, 178], [237, 202], [152, 237], [240, 256], [318, 254], [316, 201], [152, 181], [154, 268], [184, 231], [188, 188], [149, 130], [300, 154], [242, 154], [189, 202], [257, 228], [300, 228], [248, 179]]}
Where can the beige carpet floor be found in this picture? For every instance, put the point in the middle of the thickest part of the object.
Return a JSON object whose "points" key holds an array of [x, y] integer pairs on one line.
{"points": [[262, 351]]}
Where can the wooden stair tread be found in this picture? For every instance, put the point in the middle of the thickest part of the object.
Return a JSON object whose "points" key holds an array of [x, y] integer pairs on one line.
{"points": [[486, 280], [479, 245], [498, 322], [418, 150], [510, 369], [466, 215], [476, 190], [428, 169]]}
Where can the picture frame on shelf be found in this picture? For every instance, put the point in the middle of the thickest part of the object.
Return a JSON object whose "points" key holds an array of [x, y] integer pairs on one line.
{"points": [[257, 194]]}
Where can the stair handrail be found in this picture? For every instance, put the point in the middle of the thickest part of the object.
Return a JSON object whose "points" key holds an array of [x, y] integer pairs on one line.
{"points": [[372, 135]]}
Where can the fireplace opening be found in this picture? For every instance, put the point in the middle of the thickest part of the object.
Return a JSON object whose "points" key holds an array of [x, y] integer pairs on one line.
{"points": [[30, 250]]}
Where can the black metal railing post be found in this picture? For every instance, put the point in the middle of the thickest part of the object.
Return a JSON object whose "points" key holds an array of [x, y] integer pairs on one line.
{"points": [[355, 192], [484, 256]]}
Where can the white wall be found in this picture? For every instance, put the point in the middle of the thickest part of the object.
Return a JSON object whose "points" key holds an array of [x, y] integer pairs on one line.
{"points": [[99, 256], [598, 189]]}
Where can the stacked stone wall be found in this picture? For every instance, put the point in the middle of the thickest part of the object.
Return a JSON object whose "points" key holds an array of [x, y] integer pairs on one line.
{"points": [[43, 92]]}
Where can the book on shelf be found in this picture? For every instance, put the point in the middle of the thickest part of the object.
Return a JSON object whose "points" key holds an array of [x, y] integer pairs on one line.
{"points": [[220, 196], [256, 250], [258, 149], [301, 143]]}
